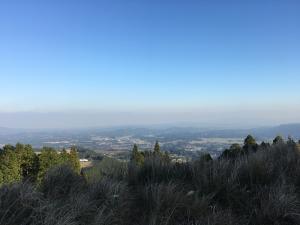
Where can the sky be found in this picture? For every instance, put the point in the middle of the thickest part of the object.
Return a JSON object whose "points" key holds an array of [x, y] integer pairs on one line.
{"points": [[76, 63]]}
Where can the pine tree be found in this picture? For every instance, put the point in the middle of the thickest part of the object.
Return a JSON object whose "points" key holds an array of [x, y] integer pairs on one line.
{"points": [[28, 161], [166, 157], [234, 151], [249, 140], [47, 159], [74, 159], [134, 153], [64, 156], [9, 165], [136, 156], [250, 144], [19, 149], [157, 148]]}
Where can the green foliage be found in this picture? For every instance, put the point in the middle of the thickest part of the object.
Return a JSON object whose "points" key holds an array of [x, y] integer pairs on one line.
{"points": [[233, 152], [205, 157], [1, 177], [9, 165], [73, 159], [64, 156], [28, 161], [107, 167], [264, 145], [48, 158], [250, 144], [166, 157], [9, 148], [61, 181], [156, 148], [20, 204], [20, 162], [136, 156], [278, 140], [249, 140]]}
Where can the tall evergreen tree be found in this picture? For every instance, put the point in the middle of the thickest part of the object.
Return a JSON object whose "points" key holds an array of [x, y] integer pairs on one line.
{"points": [[64, 156], [136, 156], [233, 152], [156, 148], [28, 161], [135, 151], [9, 165], [250, 144], [47, 159], [74, 159]]}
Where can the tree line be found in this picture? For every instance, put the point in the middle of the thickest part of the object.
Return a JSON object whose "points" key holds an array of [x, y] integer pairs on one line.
{"points": [[235, 150], [138, 157], [20, 162], [250, 145]]}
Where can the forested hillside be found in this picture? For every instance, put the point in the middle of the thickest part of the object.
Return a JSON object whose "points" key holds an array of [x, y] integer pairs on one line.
{"points": [[253, 184]]}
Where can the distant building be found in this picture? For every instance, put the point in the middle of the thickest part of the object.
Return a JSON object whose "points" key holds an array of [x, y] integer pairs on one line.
{"points": [[83, 160]]}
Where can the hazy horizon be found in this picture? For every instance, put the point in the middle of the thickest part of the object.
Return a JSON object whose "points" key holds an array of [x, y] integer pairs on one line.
{"points": [[195, 118], [66, 64]]}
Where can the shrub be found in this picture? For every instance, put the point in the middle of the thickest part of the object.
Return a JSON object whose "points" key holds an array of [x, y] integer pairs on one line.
{"points": [[106, 168], [19, 204], [60, 182]]}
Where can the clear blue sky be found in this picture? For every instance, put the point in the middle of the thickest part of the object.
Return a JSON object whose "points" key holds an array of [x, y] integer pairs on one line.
{"points": [[88, 56]]}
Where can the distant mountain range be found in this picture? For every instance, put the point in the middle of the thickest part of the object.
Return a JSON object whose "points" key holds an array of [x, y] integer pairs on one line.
{"points": [[284, 130], [260, 132]]}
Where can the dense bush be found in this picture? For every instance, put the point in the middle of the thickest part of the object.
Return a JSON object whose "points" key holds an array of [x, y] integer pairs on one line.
{"points": [[60, 182], [249, 185]]}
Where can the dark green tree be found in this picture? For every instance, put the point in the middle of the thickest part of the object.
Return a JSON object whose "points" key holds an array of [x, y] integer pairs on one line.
{"points": [[205, 157], [74, 159], [233, 152], [250, 144], [28, 161], [9, 147], [64, 156], [157, 148], [9, 165], [278, 140], [136, 156], [264, 145], [19, 149], [166, 157], [290, 142], [249, 140], [1, 177], [47, 159]]}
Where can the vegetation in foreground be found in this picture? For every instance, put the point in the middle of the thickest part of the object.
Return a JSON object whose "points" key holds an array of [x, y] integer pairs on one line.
{"points": [[250, 184]]}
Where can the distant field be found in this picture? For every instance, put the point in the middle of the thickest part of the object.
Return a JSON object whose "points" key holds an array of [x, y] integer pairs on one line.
{"points": [[86, 164]]}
